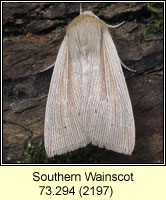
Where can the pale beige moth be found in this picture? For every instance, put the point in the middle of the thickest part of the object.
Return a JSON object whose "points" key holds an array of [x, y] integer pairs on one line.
{"points": [[88, 100]]}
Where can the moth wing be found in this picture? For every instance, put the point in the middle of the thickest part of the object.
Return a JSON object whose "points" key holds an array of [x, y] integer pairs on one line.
{"points": [[111, 124], [62, 130]]}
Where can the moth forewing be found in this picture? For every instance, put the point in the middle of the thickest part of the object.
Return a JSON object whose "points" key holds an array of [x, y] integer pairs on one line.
{"points": [[62, 130], [88, 100]]}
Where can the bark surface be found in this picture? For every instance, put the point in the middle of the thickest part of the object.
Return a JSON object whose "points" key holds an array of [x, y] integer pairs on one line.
{"points": [[32, 34]]}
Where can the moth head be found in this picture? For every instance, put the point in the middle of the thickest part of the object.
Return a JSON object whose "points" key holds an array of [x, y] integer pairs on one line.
{"points": [[90, 13]]}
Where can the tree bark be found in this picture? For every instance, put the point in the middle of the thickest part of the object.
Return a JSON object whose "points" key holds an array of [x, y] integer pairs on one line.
{"points": [[32, 34]]}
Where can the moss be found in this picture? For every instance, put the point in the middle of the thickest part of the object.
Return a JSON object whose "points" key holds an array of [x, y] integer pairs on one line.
{"points": [[157, 18], [88, 154], [35, 155], [154, 9]]}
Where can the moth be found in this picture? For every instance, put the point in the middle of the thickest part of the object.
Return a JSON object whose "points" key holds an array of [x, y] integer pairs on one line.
{"points": [[88, 100]]}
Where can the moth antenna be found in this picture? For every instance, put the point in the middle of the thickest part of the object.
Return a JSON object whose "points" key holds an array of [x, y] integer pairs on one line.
{"points": [[80, 8], [116, 26], [131, 70]]}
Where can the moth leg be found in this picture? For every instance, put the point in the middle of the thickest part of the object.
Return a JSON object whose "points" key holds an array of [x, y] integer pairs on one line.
{"points": [[116, 26], [131, 70], [47, 68]]}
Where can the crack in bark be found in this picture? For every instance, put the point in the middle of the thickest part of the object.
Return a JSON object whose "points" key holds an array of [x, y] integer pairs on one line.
{"points": [[26, 129]]}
